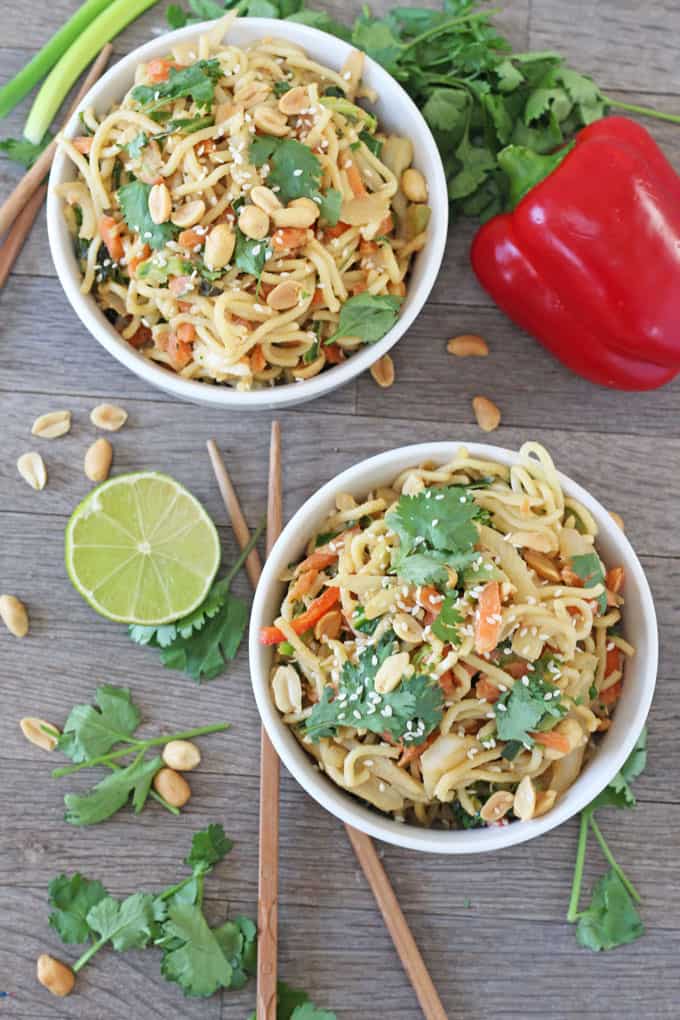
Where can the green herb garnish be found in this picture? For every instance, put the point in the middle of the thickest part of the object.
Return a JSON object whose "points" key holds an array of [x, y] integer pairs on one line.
{"points": [[367, 316], [134, 204], [198, 81]]}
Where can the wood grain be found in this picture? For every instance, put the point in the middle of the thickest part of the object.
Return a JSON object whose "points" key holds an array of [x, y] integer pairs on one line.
{"points": [[509, 954]]}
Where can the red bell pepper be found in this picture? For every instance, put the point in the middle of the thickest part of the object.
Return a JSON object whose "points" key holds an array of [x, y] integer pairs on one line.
{"points": [[588, 261]]}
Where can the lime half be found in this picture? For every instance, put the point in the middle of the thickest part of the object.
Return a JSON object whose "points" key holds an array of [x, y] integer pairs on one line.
{"points": [[141, 549]]}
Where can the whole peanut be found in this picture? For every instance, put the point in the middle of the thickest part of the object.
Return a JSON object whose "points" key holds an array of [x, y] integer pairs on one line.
{"points": [[181, 755], [172, 787], [55, 975]]}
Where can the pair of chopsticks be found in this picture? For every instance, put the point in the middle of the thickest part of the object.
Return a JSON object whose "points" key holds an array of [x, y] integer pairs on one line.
{"points": [[19, 211], [365, 851]]}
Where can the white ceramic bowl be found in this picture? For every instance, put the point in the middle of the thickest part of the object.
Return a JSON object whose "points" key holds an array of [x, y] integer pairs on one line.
{"points": [[395, 111], [639, 624]]}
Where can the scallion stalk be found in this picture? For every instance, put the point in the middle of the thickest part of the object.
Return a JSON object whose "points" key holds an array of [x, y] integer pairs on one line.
{"points": [[85, 48], [36, 69]]}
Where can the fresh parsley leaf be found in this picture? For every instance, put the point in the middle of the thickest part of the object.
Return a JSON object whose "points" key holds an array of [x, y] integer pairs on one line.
{"points": [[415, 707], [589, 569], [71, 898], [526, 707], [445, 626], [294, 1004], [367, 316], [330, 205], [90, 732], [193, 956], [176, 17], [436, 529], [619, 793], [134, 203], [208, 847], [238, 941], [611, 919], [109, 796], [250, 255], [126, 924], [281, 87], [163, 635], [294, 169], [198, 81], [202, 655], [19, 150], [138, 143]]}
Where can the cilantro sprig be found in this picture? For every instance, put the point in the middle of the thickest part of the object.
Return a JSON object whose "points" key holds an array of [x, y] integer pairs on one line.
{"points": [[589, 568], [367, 316], [533, 704], [197, 957], [102, 734], [294, 1004], [611, 918], [198, 80], [436, 528], [410, 712], [134, 203]]}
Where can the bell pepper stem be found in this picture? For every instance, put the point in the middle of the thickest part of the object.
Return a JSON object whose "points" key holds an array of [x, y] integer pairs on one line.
{"points": [[525, 168], [644, 111]]}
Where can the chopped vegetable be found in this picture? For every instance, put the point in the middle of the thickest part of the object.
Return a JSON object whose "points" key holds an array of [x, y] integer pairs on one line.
{"points": [[367, 316], [589, 568], [318, 608], [134, 203], [527, 707], [197, 80], [488, 620], [21, 151]]}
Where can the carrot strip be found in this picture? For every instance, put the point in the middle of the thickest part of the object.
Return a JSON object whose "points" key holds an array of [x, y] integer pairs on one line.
{"points": [[487, 690], [555, 741], [318, 608], [83, 143], [612, 694], [109, 230], [488, 618], [302, 584], [614, 579], [412, 753]]}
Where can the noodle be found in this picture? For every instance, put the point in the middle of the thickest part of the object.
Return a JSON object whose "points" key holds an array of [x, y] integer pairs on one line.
{"points": [[437, 665]]}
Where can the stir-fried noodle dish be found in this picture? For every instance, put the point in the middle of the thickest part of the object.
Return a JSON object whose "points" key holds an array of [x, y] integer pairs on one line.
{"points": [[448, 648], [240, 217]]}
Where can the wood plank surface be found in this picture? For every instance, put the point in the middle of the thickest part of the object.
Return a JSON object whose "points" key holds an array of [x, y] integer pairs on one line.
{"points": [[491, 928]]}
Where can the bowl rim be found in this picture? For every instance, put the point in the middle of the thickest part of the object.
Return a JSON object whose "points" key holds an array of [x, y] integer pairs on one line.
{"points": [[290, 394], [340, 803]]}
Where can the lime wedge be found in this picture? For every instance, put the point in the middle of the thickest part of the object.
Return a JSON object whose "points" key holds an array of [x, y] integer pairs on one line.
{"points": [[141, 549]]}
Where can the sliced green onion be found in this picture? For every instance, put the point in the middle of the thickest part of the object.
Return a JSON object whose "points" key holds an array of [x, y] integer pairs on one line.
{"points": [[285, 648], [36, 69], [83, 51]]}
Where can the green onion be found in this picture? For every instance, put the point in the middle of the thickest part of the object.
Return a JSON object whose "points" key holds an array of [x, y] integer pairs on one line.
{"points": [[36, 69], [285, 648], [85, 48]]}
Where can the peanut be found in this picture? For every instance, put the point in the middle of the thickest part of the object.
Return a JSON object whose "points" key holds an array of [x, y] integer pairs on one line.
{"points": [[543, 565], [389, 675], [14, 615], [284, 295], [524, 804], [254, 222], [407, 629], [265, 199], [468, 346], [414, 185], [189, 214], [172, 787], [219, 246], [52, 425], [294, 101], [383, 371], [270, 120], [329, 625], [160, 203], [301, 212], [98, 460], [497, 806], [32, 469], [617, 519], [545, 799], [287, 689], [181, 755], [108, 416], [487, 414], [31, 728], [55, 976]]}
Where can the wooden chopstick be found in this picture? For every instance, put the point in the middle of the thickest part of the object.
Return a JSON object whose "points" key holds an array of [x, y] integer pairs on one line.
{"points": [[394, 919], [32, 180], [18, 233]]}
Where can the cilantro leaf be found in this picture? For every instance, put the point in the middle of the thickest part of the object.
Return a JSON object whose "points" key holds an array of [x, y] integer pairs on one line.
{"points": [[611, 918], [208, 847], [134, 204], [589, 569], [109, 796], [294, 1004], [90, 732], [250, 255], [322, 21], [238, 941], [367, 316], [619, 793], [203, 654], [330, 205], [409, 712], [198, 81], [308, 1011], [445, 626], [126, 924], [526, 707], [193, 956], [71, 899], [294, 169], [163, 635], [138, 143], [19, 150]]}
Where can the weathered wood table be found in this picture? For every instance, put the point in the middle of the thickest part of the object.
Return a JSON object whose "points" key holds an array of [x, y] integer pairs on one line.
{"points": [[491, 928]]}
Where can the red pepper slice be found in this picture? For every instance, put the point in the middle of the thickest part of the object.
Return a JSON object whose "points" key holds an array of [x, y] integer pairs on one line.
{"points": [[318, 608]]}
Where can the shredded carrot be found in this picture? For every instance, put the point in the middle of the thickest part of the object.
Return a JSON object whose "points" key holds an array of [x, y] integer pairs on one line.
{"points": [[179, 351], [447, 682], [109, 230], [613, 661], [288, 237], [555, 741], [318, 608], [141, 337], [487, 690], [136, 260], [189, 239], [326, 554], [612, 694], [368, 247], [206, 146], [412, 753], [331, 232], [614, 579], [359, 286], [334, 354], [386, 226], [258, 362], [159, 69], [354, 179], [83, 143], [571, 578], [318, 298], [302, 584], [516, 669], [488, 618], [184, 306], [397, 289], [429, 598], [186, 333]]}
